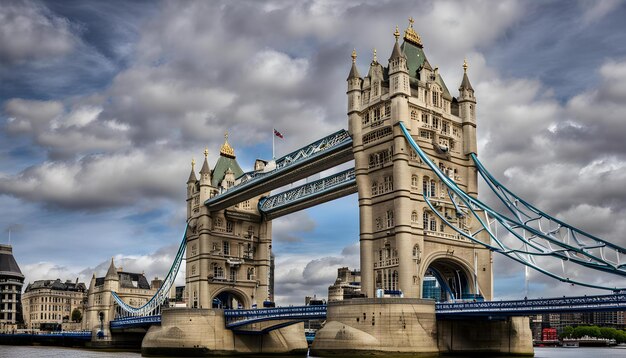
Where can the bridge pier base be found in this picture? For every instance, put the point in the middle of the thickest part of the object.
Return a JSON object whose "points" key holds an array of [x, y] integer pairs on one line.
{"points": [[509, 336], [405, 326], [202, 332], [372, 326]]}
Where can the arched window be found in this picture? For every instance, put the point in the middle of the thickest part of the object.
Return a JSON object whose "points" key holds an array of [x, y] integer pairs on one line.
{"points": [[218, 271], [390, 221], [425, 220], [425, 186], [414, 216], [433, 188], [414, 182]]}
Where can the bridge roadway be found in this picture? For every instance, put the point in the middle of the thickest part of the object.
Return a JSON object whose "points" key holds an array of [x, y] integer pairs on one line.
{"points": [[320, 155], [448, 310]]}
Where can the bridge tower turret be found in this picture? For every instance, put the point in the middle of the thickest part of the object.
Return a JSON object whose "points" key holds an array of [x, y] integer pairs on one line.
{"points": [[228, 251], [467, 112], [402, 240]]}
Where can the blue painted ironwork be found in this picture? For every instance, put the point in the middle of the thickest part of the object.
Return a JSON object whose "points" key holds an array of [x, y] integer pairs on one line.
{"points": [[153, 306], [529, 245], [131, 322], [335, 142], [238, 318], [616, 302], [307, 191]]}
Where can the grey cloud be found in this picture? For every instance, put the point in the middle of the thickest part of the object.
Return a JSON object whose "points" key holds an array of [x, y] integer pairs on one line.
{"points": [[29, 31]]}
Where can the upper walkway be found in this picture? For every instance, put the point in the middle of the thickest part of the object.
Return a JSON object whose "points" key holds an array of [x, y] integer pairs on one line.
{"points": [[320, 155]]}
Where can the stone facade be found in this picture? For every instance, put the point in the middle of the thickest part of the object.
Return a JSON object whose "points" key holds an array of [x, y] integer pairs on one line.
{"points": [[132, 288], [11, 281], [228, 251], [47, 304], [401, 239]]}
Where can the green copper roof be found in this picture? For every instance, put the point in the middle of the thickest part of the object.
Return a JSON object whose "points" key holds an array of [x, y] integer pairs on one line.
{"points": [[415, 57], [222, 165]]}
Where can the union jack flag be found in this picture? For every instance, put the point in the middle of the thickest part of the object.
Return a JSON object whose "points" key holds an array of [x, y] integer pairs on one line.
{"points": [[278, 134]]}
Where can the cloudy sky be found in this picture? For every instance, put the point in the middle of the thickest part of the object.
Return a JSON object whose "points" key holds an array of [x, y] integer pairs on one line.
{"points": [[103, 105]]}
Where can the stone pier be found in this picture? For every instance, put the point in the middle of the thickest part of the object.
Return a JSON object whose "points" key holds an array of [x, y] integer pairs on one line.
{"points": [[401, 326], [202, 332]]}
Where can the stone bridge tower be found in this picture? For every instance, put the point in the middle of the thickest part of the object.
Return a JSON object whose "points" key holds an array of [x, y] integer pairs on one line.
{"points": [[228, 251], [404, 246]]}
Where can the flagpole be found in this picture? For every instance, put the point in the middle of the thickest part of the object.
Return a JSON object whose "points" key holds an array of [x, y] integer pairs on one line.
{"points": [[273, 135]]}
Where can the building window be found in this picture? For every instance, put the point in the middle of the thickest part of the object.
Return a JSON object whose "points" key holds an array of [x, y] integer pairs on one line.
{"points": [[233, 274], [388, 184], [377, 115], [250, 275], [425, 220], [390, 218], [226, 248], [445, 127], [433, 224], [425, 118], [218, 272], [435, 122], [229, 226], [433, 188], [414, 114], [414, 216], [374, 188], [426, 134], [388, 109], [366, 118], [414, 182]]}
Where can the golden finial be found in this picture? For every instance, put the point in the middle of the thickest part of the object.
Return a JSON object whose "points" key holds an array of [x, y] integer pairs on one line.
{"points": [[206, 152], [410, 35], [396, 33], [375, 58], [193, 163], [354, 56], [226, 149], [465, 65]]}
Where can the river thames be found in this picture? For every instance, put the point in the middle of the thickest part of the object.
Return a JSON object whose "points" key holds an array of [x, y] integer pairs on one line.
{"points": [[53, 352]]}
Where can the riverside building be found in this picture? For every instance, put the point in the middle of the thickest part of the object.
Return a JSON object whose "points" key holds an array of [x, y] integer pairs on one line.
{"points": [[11, 281], [48, 304]]}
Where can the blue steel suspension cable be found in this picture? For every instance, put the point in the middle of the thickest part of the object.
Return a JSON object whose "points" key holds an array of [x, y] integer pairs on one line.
{"points": [[510, 225]]}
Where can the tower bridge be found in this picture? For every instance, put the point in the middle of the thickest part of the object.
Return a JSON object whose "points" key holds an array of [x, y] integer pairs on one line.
{"points": [[416, 173]]}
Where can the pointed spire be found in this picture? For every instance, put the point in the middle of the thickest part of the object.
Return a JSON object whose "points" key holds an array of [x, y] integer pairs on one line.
{"points": [[205, 166], [354, 72], [465, 83], [375, 58], [111, 272], [192, 175], [226, 150], [397, 51]]}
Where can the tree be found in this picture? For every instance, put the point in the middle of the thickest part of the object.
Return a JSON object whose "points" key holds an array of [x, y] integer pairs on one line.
{"points": [[567, 332], [77, 315]]}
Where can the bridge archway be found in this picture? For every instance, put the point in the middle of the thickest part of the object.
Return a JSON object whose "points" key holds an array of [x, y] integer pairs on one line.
{"points": [[230, 298], [446, 277]]}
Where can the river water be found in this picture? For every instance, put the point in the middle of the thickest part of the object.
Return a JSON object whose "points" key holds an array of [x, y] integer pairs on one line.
{"points": [[54, 352]]}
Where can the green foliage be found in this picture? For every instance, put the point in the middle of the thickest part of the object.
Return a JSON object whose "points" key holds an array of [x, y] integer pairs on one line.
{"points": [[567, 332], [77, 316], [594, 332]]}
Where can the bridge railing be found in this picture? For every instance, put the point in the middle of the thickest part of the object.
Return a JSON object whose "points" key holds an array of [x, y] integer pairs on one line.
{"points": [[235, 318], [540, 305], [302, 192]]}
